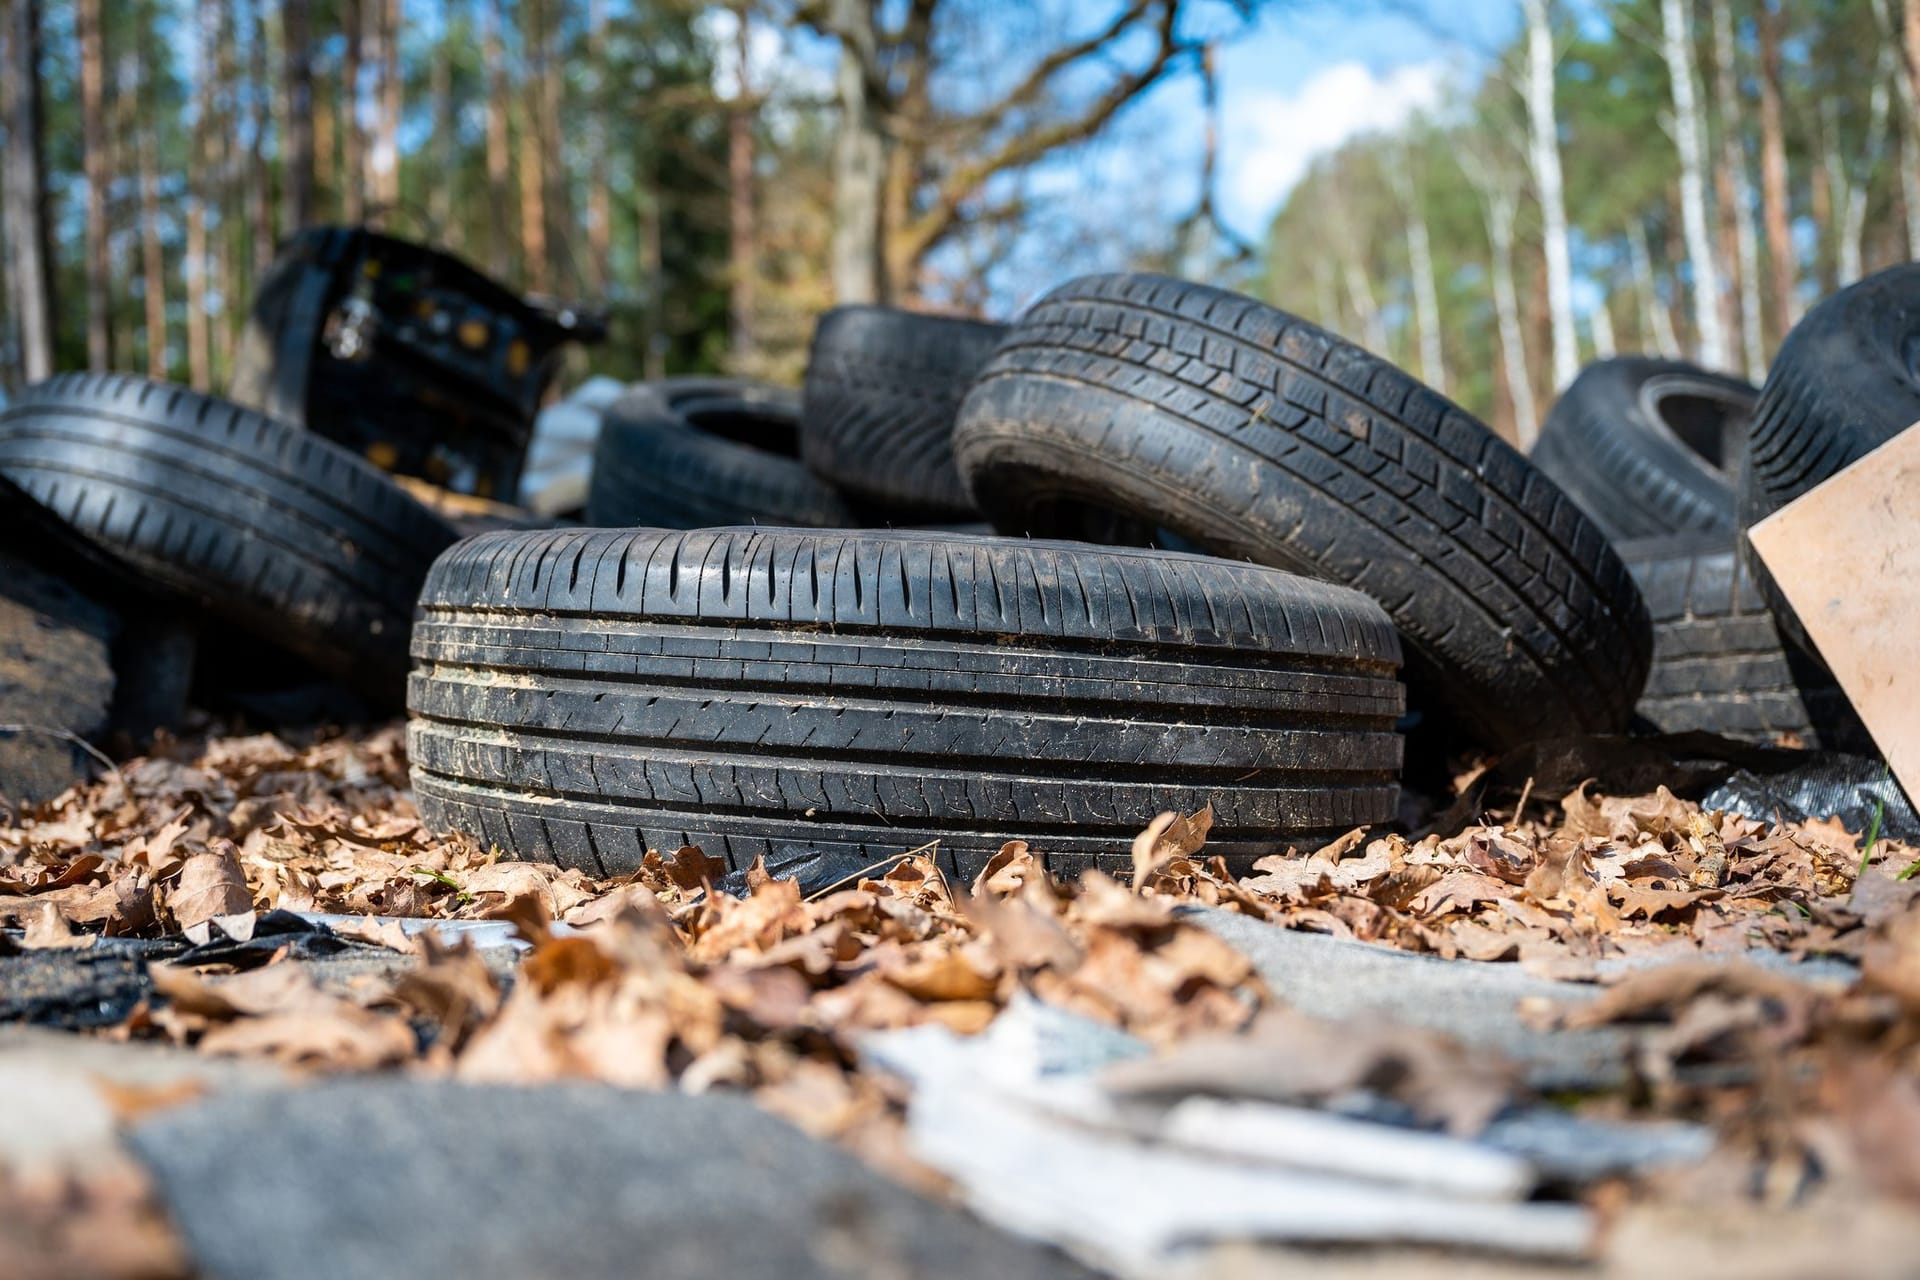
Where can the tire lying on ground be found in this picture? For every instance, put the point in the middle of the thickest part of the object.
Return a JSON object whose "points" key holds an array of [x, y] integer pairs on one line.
{"points": [[1648, 446], [1251, 434], [1719, 661], [881, 391], [685, 453], [828, 700], [274, 530], [1843, 384]]}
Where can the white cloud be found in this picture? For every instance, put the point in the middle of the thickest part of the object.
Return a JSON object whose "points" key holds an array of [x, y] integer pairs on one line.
{"points": [[1268, 139]]}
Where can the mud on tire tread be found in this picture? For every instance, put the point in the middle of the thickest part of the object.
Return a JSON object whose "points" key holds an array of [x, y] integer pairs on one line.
{"points": [[829, 700], [1611, 444], [1253, 434], [282, 533], [882, 388]]}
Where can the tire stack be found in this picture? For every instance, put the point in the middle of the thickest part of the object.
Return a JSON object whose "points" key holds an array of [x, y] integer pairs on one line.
{"points": [[184, 520], [1676, 463], [1217, 535]]}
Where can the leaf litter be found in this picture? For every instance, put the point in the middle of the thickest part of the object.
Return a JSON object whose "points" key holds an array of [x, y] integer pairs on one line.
{"points": [[661, 980]]}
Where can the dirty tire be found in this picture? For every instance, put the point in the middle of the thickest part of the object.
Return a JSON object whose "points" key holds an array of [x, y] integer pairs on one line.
{"points": [[274, 530], [1648, 447], [1254, 435], [876, 420], [1719, 661], [1843, 384], [829, 700], [687, 453]]}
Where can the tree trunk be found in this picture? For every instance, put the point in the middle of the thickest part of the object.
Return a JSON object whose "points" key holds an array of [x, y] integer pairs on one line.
{"points": [[1500, 209], [1739, 187], [1373, 331], [1604, 346], [499, 226], [259, 176], [227, 193], [1543, 151], [384, 178], [859, 161], [1677, 44], [296, 140], [95, 164], [1822, 198], [29, 238], [1850, 195], [200, 181], [646, 191], [446, 229], [1659, 322], [533, 177], [599, 177], [353, 168], [152, 261], [556, 193], [744, 248], [1773, 171]]}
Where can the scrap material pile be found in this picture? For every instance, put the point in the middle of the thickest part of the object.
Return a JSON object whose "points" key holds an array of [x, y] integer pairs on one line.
{"points": [[1041, 867]]}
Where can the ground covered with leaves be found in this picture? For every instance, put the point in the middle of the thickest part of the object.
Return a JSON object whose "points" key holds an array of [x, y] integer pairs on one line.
{"points": [[663, 980]]}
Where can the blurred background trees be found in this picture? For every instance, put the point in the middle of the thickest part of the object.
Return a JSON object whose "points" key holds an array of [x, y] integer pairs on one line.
{"points": [[1671, 176]]}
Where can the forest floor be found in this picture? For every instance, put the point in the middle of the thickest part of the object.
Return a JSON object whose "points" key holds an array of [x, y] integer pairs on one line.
{"points": [[170, 903]]}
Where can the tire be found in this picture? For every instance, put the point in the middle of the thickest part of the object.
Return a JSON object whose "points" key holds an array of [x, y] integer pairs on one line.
{"points": [[1648, 447], [829, 700], [881, 391], [688, 453], [274, 530], [1719, 661], [1842, 385], [1251, 434]]}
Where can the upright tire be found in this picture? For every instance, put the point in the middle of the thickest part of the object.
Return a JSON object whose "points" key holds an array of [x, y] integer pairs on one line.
{"points": [[1719, 661], [828, 700], [1648, 447], [881, 392], [275, 530], [1843, 384], [1252, 434], [686, 453]]}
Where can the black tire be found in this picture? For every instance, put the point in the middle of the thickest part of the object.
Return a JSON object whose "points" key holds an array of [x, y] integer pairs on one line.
{"points": [[1719, 661], [688, 453], [274, 530], [881, 391], [829, 700], [1843, 384], [1252, 434], [1648, 447]]}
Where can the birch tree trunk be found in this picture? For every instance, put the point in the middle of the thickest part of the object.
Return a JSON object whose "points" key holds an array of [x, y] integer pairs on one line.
{"points": [[29, 243], [1604, 346], [1733, 153], [1773, 171], [1850, 192], [1677, 44], [1543, 152], [499, 227], [1659, 322], [859, 160], [95, 165], [1501, 208], [296, 139], [1426, 294]]}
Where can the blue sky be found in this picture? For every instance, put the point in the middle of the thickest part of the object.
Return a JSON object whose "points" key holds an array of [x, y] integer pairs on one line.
{"points": [[1312, 73]]}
